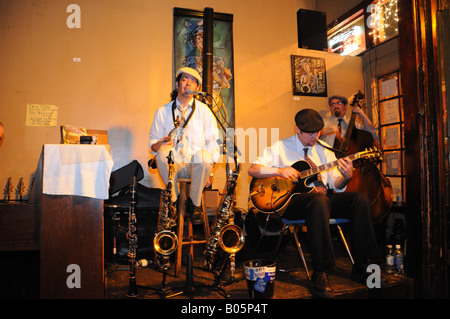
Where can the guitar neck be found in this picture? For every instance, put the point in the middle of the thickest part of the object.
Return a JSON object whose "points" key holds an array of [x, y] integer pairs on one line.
{"points": [[315, 170]]}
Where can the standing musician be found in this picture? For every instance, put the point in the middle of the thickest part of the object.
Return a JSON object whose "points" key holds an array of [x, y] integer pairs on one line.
{"points": [[195, 149], [335, 125], [318, 206]]}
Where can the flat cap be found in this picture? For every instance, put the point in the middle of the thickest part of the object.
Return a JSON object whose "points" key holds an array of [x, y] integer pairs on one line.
{"points": [[309, 121]]}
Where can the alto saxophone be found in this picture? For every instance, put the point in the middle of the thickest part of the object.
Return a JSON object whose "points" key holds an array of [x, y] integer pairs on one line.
{"points": [[165, 241], [176, 134], [224, 233]]}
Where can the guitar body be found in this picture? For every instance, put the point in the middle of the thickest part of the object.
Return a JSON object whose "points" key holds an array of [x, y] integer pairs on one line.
{"points": [[272, 194]]}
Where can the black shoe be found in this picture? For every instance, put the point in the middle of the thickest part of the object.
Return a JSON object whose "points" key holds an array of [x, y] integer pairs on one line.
{"points": [[359, 273], [319, 285], [197, 216], [195, 212]]}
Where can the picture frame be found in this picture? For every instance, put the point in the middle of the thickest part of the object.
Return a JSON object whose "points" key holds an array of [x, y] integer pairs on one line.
{"points": [[389, 86], [390, 137], [308, 76], [188, 51], [392, 163], [390, 111]]}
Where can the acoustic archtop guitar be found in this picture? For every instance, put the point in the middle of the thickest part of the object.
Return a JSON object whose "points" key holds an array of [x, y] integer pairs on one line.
{"points": [[273, 194]]}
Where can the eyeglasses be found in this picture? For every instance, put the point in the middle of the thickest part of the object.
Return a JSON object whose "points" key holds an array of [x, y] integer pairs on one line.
{"points": [[334, 103]]}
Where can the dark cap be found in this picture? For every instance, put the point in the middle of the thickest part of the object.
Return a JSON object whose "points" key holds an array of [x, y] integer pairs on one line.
{"points": [[343, 99], [309, 121]]}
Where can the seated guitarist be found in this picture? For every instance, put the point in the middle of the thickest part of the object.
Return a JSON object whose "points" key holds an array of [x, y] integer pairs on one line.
{"points": [[317, 207]]}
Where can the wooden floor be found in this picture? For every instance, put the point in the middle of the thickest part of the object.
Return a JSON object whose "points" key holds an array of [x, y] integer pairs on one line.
{"points": [[19, 273], [290, 282]]}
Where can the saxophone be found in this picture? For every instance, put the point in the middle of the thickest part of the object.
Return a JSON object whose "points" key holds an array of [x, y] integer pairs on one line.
{"points": [[165, 241], [224, 233], [176, 134]]}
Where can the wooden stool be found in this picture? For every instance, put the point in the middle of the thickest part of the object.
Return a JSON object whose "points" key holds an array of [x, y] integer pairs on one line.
{"points": [[190, 239]]}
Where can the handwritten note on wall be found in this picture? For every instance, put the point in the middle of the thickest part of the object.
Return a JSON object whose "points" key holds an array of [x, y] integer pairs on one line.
{"points": [[42, 115]]}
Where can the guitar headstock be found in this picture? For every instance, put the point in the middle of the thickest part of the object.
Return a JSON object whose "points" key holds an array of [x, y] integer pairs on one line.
{"points": [[372, 154], [359, 100]]}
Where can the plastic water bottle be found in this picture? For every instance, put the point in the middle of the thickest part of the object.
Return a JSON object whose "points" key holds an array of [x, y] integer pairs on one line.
{"points": [[390, 267], [398, 261]]}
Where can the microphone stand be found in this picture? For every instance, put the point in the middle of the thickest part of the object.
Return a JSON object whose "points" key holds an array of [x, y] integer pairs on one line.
{"points": [[218, 284]]}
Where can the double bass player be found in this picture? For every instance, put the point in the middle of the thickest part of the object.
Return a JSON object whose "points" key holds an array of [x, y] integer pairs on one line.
{"points": [[336, 124]]}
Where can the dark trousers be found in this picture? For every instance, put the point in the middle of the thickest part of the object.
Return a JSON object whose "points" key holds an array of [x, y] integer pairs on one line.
{"points": [[317, 209]]}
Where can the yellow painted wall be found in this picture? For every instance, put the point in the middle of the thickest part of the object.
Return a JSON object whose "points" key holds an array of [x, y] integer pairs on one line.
{"points": [[126, 72]]}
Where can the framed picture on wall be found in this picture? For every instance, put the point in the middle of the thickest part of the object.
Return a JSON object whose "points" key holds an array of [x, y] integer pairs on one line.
{"points": [[188, 31], [390, 137], [389, 111], [308, 76], [388, 86]]}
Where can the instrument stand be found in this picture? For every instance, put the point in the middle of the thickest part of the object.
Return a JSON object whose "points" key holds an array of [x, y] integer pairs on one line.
{"points": [[217, 285], [220, 284], [163, 291]]}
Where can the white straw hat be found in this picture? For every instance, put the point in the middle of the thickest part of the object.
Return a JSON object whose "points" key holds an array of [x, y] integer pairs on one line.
{"points": [[192, 72]]}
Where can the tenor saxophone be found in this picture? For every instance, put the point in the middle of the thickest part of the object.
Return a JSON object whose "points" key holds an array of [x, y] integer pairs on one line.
{"points": [[224, 233], [165, 241]]}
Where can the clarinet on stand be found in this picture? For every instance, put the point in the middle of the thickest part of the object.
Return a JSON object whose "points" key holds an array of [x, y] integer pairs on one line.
{"points": [[132, 242]]}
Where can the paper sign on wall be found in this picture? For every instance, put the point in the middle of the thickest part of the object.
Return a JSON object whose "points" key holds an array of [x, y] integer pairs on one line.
{"points": [[42, 115]]}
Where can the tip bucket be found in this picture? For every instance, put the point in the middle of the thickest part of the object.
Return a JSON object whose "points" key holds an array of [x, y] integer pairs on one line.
{"points": [[260, 276]]}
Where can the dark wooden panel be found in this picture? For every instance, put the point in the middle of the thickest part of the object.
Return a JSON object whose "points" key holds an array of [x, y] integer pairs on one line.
{"points": [[19, 226], [71, 233]]}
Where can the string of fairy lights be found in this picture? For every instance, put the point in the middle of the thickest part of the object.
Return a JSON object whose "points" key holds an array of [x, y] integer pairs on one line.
{"points": [[384, 22]]}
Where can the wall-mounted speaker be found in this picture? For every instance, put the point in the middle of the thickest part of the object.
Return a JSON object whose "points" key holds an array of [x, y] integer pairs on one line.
{"points": [[312, 30]]}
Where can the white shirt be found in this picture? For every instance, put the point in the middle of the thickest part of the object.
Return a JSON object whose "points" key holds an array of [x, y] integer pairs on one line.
{"points": [[200, 133], [287, 151], [332, 121]]}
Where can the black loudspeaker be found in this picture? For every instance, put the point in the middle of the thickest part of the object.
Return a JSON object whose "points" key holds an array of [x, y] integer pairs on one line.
{"points": [[312, 30]]}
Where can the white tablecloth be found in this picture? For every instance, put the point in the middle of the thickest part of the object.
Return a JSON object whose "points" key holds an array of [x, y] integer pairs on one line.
{"points": [[77, 169]]}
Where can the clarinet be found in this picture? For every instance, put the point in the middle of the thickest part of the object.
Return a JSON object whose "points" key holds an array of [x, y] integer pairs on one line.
{"points": [[132, 242]]}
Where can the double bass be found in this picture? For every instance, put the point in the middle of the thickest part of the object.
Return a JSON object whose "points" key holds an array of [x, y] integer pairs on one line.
{"points": [[367, 177]]}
